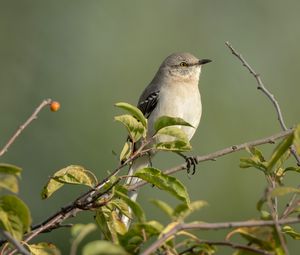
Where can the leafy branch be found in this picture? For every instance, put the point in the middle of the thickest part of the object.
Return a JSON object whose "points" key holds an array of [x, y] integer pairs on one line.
{"points": [[217, 154], [214, 226], [86, 200], [236, 246], [260, 85]]}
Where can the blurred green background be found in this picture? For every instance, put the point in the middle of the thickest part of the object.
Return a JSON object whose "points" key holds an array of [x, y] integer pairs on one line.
{"points": [[90, 54]]}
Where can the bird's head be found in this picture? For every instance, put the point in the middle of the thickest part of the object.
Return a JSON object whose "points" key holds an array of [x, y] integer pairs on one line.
{"points": [[183, 66]]}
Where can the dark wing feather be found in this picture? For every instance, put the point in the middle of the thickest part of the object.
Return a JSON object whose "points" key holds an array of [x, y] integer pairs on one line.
{"points": [[148, 105]]}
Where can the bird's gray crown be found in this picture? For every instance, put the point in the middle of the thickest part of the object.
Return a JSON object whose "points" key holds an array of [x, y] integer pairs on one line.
{"points": [[180, 67], [180, 59]]}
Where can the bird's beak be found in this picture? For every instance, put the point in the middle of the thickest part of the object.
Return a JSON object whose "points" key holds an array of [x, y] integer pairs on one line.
{"points": [[204, 61]]}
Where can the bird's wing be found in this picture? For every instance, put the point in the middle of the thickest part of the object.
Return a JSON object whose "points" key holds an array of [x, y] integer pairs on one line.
{"points": [[148, 104]]}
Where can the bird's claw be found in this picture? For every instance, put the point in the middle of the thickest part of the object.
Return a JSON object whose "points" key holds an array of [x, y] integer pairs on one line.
{"points": [[191, 162]]}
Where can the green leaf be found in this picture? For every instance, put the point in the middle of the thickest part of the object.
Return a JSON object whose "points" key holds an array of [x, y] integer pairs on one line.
{"points": [[133, 239], [203, 248], [279, 151], [165, 128], [133, 111], [167, 209], [14, 216], [293, 169], [297, 138], [103, 220], [109, 223], [183, 210], [8, 177], [173, 146], [72, 174], [10, 169], [257, 153], [281, 191], [78, 232], [12, 224], [43, 249], [253, 162], [164, 182], [260, 203], [166, 121], [9, 182], [122, 206], [103, 248], [291, 232], [261, 236], [126, 151], [265, 215], [174, 132], [135, 207], [135, 129]]}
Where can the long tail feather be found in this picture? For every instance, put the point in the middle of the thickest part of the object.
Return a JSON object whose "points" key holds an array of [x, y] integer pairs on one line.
{"points": [[139, 163]]}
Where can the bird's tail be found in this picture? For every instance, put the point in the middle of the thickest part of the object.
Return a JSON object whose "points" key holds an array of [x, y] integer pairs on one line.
{"points": [[139, 163]]}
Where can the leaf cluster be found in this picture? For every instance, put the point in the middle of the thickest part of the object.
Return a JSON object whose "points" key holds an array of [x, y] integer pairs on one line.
{"points": [[108, 199]]}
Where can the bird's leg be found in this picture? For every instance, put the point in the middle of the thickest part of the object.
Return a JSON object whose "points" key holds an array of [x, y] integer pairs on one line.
{"points": [[190, 161], [149, 157]]}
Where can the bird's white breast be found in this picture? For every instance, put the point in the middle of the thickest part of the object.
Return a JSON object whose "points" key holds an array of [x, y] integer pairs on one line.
{"points": [[183, 101]]}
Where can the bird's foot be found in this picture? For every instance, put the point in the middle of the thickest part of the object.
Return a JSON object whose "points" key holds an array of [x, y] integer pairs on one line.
{"points": [[191, 162]]}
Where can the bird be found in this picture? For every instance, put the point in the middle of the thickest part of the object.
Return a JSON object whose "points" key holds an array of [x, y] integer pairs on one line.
{"points": [[173, 92]]}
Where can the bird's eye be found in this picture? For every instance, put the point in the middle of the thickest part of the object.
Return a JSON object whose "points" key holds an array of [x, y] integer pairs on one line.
{"points": [[183, 64]]}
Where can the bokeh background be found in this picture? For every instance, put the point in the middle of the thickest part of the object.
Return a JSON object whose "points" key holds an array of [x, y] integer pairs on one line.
{"points": [[90, 54]]}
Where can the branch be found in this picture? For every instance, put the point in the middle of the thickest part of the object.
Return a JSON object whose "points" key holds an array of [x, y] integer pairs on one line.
{"points": [[220, 153], [214, 226], [273, 205], [275, 103], [86, 200], [226, 243], [24, 125], [18, 246], [291, 205], [80, 204], [263, 89]]}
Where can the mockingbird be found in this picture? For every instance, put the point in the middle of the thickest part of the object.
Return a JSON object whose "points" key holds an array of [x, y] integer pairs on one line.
{"points": [[173, 92]]}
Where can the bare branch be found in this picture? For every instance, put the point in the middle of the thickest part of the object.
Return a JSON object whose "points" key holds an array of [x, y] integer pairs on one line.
{"points": [[220, 153], [18, 246], [214, 226], [262, 88], [24, 125]]}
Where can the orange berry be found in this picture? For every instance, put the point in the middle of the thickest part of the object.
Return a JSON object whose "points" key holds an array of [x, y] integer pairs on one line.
{"points": [[54, 106]]}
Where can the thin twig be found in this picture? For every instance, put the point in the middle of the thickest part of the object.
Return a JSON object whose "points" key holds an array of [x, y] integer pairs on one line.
{"points": [[220, 153], [214, 226], [273, 205], [24, 125], [229, 244], [262, 88], [18, 246], [290, 205]]}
